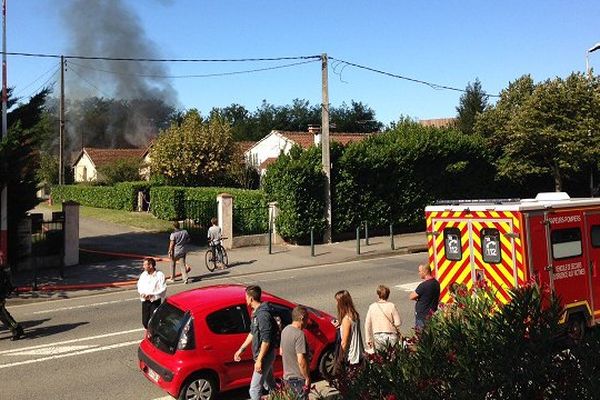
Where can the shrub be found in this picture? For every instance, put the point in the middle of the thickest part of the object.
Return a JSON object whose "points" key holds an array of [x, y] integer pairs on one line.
{"points": [[122, 196], [471, 349], [297, 183], [125, 170], [173, 203]]}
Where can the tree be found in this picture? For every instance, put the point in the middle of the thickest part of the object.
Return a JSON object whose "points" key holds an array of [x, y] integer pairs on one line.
{"points": [[471, 104], [196, 152], [546, 128], [20, 156], [125, 170]]}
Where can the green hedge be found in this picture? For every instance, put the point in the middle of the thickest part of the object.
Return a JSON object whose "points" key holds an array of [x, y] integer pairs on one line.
{"points": [[387, 178], [249, 213], [122, 196]]}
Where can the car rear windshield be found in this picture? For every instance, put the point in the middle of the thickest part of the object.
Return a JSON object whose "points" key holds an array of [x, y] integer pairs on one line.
{"points": [[165, 326]]}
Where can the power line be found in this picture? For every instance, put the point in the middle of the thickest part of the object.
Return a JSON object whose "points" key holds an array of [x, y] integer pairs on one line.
{"points": [[191, 60], [22, 89], [45, 84], [216, 74], [406, 78], [73, 70]]}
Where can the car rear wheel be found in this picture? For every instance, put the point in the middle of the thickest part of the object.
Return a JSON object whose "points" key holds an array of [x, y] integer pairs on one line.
{"points": [[199, 387], [326, 363]]}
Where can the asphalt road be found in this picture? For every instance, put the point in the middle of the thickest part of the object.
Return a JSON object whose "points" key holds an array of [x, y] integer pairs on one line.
{"points": [[86, 347]]}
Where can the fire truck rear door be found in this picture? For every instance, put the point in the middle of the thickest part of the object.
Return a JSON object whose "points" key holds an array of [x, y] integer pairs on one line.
{"points": [[592, 228], [568, 268], [494, 258]]}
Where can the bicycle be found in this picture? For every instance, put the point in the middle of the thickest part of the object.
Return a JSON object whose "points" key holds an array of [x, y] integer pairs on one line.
{"points": [[212, 260]]}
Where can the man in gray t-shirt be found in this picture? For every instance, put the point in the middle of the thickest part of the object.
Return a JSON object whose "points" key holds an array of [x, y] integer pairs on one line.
{"points": [[295, 354], [178, 251]]}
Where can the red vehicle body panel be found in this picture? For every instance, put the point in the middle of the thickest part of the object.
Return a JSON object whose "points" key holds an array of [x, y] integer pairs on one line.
{"points": [[213, 353]]}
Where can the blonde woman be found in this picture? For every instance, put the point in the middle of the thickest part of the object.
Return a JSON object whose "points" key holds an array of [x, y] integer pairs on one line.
{"points": [[382, 324], [351, 346]]}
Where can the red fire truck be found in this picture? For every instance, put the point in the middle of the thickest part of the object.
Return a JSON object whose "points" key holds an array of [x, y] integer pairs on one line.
{"points": [[552, 239]]}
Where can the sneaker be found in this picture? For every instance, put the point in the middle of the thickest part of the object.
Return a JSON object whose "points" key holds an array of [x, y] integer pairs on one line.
{"points": [[18, 333], [185, 282]]}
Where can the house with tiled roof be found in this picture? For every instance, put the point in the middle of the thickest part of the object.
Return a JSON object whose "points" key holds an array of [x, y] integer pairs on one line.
{"points": [[267, 150], [86, 164]]}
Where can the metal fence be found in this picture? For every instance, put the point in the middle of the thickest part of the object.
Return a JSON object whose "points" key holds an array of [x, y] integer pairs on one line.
{"points": [[250, 220], [47, 243], [197, 218]]}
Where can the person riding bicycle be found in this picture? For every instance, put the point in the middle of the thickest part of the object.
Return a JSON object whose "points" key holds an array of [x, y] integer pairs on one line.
{"points": [[214, 236]]}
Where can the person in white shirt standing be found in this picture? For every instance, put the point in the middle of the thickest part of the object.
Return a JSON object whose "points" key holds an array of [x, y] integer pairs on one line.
{"points": [[382, 325], [152, 288]]}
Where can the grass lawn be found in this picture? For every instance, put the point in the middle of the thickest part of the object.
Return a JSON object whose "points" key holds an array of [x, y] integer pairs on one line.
{"points": [[140, 220]]}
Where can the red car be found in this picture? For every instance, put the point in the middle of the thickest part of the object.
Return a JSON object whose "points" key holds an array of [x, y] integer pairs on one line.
{"points": [[191, 339]]}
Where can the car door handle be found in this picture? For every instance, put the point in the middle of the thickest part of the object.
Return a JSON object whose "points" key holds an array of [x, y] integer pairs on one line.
{"points": [[207, 347]]}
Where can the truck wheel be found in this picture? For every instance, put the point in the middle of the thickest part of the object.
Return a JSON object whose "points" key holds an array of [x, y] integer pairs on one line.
{"points": [[199, 387], [575, 330], [326, 363]]}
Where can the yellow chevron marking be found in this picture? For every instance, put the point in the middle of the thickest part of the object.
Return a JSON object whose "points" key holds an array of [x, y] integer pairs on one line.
{"points": [[495, 214]]}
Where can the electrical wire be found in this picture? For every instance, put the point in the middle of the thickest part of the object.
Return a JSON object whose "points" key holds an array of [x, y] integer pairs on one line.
{"points": [[53, 68], [191, 60], [73, 70], [430, 84], [194, 75], [45, 84]]}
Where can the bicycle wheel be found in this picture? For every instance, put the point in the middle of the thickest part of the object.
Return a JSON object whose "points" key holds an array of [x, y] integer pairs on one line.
{"points": [[210, 261], [223, 258]]}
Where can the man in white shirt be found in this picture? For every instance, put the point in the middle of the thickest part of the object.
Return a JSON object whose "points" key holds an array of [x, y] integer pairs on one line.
{"points": [[152, 289]]}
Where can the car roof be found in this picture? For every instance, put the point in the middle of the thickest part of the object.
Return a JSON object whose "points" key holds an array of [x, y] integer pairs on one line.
{"points": [[214, 297]]}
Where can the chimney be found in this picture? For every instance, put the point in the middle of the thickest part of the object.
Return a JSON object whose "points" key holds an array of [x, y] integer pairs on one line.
{"points": [[315, 130]]}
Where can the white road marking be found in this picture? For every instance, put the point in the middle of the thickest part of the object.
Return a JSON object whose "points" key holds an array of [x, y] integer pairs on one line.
{"points": [[408, 287], [77, 353], [74, 341], [83, 306], [50, 351]]}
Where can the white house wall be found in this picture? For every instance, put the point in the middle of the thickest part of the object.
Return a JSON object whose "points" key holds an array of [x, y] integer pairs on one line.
{"points": [[269, 147], [85, 170]]}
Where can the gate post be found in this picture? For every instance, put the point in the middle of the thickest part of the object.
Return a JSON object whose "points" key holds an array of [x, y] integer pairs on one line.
{"points": [[225, 215], [71, 233]]}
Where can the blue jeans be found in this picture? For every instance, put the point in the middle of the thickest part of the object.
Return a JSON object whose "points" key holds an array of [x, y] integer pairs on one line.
{"points": [[264, 379], [419, 324], [297, 385]]}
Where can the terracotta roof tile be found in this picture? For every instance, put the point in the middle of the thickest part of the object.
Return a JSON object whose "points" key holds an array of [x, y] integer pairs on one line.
{"points": [[102, 157], [305, 139], [267, 162]]}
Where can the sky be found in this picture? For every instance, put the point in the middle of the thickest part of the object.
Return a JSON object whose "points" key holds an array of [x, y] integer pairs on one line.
{"points": [[447, 43]]}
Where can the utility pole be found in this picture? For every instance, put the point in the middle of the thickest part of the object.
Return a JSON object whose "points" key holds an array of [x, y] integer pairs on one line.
{"points": [[4, 193], [588, 70], [325, 145], [61, 137]]}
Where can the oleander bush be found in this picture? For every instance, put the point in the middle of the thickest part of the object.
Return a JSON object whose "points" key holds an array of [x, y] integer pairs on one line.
{"points": [[473, 349]]}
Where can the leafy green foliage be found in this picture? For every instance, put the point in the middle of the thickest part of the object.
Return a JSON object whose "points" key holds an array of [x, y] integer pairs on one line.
{"points": [[195, 152], [471, 104], [249, 206], [19, 157], [246, 125], [125, 170], [545, 129], [122, 196], [471, 349], [297, 182], [47, 173]]}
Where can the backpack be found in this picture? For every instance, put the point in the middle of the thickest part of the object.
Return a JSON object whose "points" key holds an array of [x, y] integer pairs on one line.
{"points": [[276, 327]]}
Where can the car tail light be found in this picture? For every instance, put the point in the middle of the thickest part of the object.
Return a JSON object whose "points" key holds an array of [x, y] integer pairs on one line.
{"points": [[186, 339]]}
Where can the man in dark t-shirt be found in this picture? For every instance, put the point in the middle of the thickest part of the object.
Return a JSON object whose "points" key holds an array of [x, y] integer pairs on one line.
{"points": [[427, 296]]}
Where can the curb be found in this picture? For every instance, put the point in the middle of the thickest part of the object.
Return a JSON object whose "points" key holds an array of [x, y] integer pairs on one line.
{"points": [[132, 282]]}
